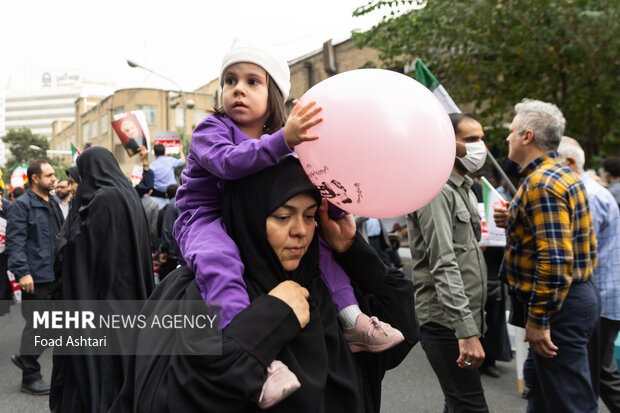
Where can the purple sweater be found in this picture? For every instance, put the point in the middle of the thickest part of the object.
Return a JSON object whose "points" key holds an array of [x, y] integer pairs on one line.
{"points": [[219, 152]]}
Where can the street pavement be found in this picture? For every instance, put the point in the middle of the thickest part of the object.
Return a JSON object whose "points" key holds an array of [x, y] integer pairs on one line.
{"points": [[411, 387]]}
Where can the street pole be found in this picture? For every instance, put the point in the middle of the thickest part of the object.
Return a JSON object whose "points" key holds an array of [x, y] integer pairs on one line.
{"points": [[134, 64]]}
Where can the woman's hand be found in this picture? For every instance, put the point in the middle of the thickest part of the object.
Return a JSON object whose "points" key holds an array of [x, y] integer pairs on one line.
{"points": [[296, 297], [338, 233], [299, 121]]}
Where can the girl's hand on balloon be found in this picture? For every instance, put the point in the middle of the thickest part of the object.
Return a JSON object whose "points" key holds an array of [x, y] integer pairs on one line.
{"points": [[339, 233], [299, 121]]}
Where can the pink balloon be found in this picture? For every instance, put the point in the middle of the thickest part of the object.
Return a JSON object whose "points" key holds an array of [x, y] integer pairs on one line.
{"points": [[386, 146]]}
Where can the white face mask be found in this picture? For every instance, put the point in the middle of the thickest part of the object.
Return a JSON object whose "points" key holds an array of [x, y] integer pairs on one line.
{"points": [[475, 156]]}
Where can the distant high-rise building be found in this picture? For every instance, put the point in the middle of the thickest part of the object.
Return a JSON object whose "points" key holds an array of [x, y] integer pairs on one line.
{"points": [[53, 102]]}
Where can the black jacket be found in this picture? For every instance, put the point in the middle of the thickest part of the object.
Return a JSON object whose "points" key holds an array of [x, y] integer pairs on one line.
{"points": [[30, 237]]}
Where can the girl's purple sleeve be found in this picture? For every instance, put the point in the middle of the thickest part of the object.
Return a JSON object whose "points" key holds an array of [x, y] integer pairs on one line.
{"points": [[216, 263], [224, 151]]}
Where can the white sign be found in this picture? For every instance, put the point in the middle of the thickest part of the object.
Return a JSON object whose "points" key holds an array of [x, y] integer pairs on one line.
{"points": [[170, 140], [136, 175]]}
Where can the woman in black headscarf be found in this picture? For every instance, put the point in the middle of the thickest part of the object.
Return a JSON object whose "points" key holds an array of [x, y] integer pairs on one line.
{"points": [[73, 176], [310, 342], [106, 256]]}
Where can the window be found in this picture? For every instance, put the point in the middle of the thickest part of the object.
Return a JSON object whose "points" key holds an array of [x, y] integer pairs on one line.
{"points": [[104, 123], [150, 112], [119, 110], [179, 117], [199, 115], [94, 129], [86, 132]]}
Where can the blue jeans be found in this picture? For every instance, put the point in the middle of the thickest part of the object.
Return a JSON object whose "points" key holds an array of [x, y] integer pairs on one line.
{"points": [[562, 384]]}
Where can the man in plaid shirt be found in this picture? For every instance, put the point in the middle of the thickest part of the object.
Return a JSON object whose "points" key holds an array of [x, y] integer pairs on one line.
{"points": [[550, 256]]}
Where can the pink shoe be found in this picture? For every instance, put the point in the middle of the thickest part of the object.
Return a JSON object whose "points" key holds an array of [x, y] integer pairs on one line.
{"points": [[370, 334], [280, 383]]}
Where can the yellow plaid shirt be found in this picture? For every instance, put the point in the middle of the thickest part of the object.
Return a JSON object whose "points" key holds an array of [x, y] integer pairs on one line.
{"points": [[550, 237]]}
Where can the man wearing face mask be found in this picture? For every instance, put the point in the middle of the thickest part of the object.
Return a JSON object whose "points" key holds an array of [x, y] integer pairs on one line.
{"points": [[450, 275]]}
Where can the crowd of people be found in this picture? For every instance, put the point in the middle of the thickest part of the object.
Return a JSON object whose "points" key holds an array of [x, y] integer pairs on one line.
{"points": [[315, 307]]}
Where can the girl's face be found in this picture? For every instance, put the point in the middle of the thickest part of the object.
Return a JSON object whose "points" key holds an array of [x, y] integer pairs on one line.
{"points": [[290, 229], [245, 95]]}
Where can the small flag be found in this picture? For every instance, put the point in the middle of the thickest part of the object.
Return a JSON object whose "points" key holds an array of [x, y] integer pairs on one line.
{"points": [[492, 235], [19, 177], [75, 152], [156, 268], [15, 287], [424, 76]]}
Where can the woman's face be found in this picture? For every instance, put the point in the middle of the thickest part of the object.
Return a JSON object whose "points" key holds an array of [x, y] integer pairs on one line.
{"points": [[72, 185], [290, 229]]}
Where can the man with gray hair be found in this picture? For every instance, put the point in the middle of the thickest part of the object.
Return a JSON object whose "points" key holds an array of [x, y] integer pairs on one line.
{"points": [[549, 262], [606, 219]]}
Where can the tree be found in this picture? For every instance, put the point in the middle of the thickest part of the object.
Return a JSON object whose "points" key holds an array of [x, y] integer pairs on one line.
{"points": [[20, 141], [494, 53]]}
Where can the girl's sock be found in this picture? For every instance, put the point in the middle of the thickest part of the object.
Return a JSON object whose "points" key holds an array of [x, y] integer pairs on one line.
{"points": [[348, 315]]}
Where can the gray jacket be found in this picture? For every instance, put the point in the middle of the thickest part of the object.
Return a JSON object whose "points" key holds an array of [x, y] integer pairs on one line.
{"points": [[449, 272]]}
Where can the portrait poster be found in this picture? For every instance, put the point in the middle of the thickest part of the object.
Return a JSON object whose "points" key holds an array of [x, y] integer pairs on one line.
{"points": [[131, 131]]}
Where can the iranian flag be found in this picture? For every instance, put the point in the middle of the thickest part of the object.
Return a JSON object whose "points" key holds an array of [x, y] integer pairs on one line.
{"points": [[424, 76], [492, 235], [75, 152]]}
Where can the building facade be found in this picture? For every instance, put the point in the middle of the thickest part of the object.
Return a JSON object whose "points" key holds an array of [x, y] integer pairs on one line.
{"points": [[94, 125], [333, 58], [318, 65]]}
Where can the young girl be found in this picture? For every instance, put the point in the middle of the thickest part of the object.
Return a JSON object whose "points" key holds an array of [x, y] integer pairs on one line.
{"points": [[240, 139]]}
